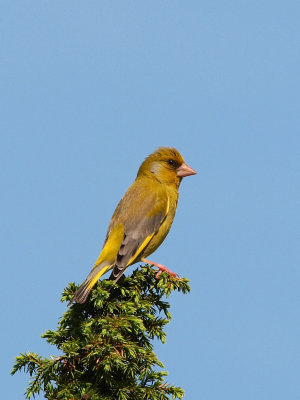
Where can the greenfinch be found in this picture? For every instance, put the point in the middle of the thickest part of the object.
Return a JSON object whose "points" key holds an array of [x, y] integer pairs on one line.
{"points": [[142, 218]]}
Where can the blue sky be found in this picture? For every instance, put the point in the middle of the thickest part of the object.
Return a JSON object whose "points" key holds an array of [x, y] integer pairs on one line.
{"points": [[88, 89]]}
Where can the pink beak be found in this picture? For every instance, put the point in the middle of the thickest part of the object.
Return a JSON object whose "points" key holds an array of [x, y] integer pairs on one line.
{"points": [[185, 170]]}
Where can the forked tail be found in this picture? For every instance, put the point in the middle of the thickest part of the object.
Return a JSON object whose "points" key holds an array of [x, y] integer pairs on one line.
{"points": [[82, 293]]}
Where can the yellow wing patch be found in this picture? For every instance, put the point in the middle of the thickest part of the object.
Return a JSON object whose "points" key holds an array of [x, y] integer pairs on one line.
{"points": [[140, 249], [112, 245], [148, 238]]}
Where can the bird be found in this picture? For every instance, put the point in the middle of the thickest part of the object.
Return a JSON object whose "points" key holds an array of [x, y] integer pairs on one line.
{"points": [[141, 220]]}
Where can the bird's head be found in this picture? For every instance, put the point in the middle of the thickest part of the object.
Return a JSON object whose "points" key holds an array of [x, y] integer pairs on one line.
{"points": [[165, 165]]}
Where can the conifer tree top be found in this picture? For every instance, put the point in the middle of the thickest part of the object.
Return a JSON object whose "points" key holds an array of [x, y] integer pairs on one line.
{"points": [[105, 345]]}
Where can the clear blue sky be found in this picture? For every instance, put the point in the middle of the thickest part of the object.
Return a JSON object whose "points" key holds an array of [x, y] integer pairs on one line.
{"points": [[88, 89]]}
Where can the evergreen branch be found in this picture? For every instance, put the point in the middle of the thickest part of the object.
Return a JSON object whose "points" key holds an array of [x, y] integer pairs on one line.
{"points": [[107, 343]]}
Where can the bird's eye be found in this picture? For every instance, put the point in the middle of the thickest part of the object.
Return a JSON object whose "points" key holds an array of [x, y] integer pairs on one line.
{"points": [[171, 162]]}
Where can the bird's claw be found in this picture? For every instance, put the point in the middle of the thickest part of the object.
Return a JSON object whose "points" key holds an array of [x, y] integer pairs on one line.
{"points": [[164, 269], [161, 268]]}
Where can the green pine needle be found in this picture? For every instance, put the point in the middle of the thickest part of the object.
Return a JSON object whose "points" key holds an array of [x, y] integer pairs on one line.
{"points": [[107, 343]]}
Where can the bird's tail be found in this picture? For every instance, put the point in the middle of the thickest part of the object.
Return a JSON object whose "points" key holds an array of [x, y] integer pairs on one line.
{"points": [[82, 293]]}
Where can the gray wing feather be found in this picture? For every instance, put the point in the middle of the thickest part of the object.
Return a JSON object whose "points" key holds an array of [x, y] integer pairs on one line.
{"points": [[138, 225]]}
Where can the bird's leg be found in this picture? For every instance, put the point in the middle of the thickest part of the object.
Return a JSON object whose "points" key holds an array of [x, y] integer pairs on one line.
{"points": [[161, 268]]}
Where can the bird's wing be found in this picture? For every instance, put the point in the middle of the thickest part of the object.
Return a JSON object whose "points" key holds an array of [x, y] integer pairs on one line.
{"points": [[141, 220]]}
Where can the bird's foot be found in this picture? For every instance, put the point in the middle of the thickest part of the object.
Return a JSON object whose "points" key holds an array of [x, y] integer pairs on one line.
{"points": [[161, 267]]}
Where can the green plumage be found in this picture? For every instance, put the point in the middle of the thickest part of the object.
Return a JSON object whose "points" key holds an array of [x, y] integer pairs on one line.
{"points": [[142, 218]]}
